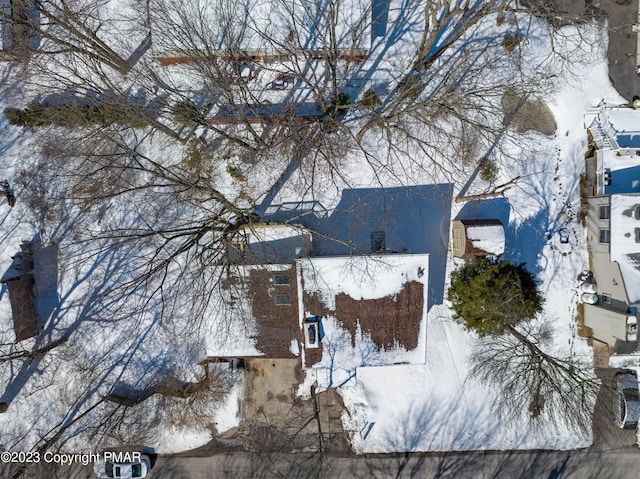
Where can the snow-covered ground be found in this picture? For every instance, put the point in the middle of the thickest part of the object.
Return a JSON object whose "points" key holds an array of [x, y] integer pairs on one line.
{"points": [[437, 405], [432, 403]]}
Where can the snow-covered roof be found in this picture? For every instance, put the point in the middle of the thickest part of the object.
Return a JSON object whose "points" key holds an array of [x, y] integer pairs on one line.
{"points": [[616, 132], [362, 277], [270, 244], [241, 321], [614, 121], [263, 233], [625, 244], [14, 270], [489, 238], [622, 120], [394, 284], [375, 304]]}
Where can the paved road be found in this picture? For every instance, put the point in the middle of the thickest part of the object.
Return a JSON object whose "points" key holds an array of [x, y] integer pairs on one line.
{"points": [[620, 464], [583, 464], [623, 45]]}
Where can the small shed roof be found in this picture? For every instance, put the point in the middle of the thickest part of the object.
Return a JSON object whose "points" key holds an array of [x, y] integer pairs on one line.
{"points": [[478, 238], [13, 272]]}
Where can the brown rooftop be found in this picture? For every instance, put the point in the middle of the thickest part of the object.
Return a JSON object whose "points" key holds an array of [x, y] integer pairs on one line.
{"points": [[391, 321], [20, 282], [277, 324]]}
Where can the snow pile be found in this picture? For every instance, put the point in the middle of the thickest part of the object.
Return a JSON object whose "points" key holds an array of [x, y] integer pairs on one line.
{"points": [[228, 415]]}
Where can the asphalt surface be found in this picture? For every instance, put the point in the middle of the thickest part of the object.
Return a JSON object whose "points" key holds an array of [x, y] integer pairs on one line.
{"points": [[582, 464], [569, 464], [623, 44], [613, 454]]}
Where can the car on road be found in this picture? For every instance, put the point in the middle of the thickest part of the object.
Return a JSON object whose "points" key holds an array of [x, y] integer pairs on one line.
{"points": [[136, 468], [626, 400]]}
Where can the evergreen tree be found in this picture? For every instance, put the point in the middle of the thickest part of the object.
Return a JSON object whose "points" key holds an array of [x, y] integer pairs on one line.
{"points": [[490, 296]]}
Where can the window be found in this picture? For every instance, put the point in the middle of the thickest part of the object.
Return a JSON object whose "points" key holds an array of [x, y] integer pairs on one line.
{"points": [[281, 279], [605, 212], [282, 299], [636, 211], [637, 235], [605, 236], [606, 298]]}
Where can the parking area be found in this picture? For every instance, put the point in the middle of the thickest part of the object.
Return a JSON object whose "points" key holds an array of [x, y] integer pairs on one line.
{"points": [[606, 435], [274, 417]]}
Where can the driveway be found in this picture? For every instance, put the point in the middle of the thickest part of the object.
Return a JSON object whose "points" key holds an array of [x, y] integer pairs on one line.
{"points": [[606, 436], [623, 44], [276, 418], [621, 15]]}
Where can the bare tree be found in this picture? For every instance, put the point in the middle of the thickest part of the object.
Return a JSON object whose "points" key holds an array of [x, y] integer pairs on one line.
{"points": [[532, 380], [131, 194]]}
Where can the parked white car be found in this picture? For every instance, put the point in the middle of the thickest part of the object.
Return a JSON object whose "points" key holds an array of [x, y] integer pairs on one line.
{"points": [[139, 466], [589, 298]]}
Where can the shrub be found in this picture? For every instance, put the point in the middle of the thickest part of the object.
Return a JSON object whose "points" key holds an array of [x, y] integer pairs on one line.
{"points": [[16, 116], [37, 114], [236, 173], [488, 169], [510, 42], [342, 102], [410, 86], [370, 99], [186, 112], [338, 104]]}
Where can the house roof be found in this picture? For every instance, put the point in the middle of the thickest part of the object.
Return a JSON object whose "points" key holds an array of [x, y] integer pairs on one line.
{"points": [[245, 320], [489, 238], [270, 243], [20, 281], [478, 238], [616, 132], [614, 121], [622, 121], [625, 249], [383, 297], [14, 271]]}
